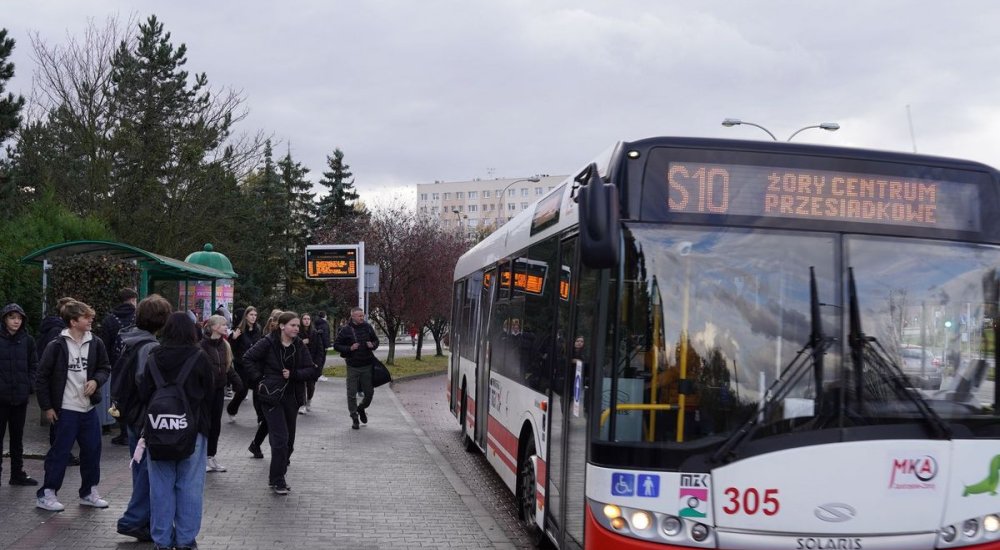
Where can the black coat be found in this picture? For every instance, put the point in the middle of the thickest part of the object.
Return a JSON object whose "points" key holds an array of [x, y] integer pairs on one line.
{"points": [[243, 344], [351, 333], [323, 328], [18, 364], [316, 348], [122, 316], [263, 364], [53, 370], [49, 331]]}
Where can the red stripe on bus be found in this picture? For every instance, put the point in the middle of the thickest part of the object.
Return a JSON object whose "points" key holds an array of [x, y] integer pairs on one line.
{"points": [[506, 441], [503, 456], [542, 472]]}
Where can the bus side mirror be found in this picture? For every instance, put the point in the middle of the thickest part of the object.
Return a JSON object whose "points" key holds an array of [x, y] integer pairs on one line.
{"points": [[599, 221]]}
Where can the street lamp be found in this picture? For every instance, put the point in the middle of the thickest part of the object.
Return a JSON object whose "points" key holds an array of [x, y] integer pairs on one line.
{"points": [[503, 193], [829, 126]]}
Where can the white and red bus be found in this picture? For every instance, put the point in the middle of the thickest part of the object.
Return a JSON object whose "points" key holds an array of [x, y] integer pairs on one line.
{"points": [[700, 343]]}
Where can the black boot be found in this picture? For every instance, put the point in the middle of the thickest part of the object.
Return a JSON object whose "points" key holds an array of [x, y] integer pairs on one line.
{"points": [[22, 478], [355, 425]]}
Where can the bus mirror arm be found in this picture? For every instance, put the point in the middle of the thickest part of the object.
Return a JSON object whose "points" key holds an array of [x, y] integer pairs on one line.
{"points": [[600, 226]]}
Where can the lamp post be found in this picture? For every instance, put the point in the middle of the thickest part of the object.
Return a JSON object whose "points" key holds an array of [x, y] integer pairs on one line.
{"points": [[829, 126], [503, 193]]}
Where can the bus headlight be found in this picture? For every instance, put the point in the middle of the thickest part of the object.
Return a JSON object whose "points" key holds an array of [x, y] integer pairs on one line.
{"points": [[699, 532], [641, 520], [949, 533], [991, 523], [619, 523], [671, 526], [970, 527], [611, 511]]}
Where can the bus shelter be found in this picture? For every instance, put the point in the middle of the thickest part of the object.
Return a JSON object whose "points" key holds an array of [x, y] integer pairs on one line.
{"points": [[152, 267]]}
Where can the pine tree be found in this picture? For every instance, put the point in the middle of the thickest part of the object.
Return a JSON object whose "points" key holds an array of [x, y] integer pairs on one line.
{"points": [[10, 106], [339, 199]]}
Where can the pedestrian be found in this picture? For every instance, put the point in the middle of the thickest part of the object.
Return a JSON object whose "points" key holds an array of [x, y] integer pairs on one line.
{"points": [[314, 342], [177, 486], [70, 372], [245, 335], [18, 363], [121, 318], [127, 374], [261, 434], [323, 328], [413, 336], [357, 342], [220, 357], [278, 364], [51, 327]]}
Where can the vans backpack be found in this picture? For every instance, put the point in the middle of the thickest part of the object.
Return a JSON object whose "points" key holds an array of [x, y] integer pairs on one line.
{"points": [[170, 428]]}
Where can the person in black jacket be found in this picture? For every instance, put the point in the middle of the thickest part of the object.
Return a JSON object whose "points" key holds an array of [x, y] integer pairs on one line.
{"points": [[52, 326], [357, 342], [18, 363], [121, 317], [243, 338], [127, 375], [177, 487], [70, 373], [278, 365], [314, 341]]}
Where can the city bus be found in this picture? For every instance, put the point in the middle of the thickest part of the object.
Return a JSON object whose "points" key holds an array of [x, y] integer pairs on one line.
{"points": [[700, 343]]}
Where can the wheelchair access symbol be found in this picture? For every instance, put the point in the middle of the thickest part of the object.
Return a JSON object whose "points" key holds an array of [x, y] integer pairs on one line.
{"points": [[622, 484]]}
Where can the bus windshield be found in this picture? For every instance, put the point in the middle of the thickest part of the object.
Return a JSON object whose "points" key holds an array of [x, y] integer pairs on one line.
{"points": [[717, 327]]}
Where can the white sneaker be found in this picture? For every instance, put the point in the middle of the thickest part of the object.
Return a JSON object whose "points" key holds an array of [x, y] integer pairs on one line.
{"points": [[48, 501], [213, 465], [309, 405], [323, 378], [232, 419], [94, 499], [302, 409]]}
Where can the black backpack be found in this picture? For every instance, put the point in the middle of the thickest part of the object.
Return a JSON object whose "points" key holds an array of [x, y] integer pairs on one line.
{"points": [[170, 428]]}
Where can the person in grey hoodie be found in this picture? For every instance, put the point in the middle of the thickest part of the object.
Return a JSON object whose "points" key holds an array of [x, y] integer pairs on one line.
{"points": [[18, 363]]}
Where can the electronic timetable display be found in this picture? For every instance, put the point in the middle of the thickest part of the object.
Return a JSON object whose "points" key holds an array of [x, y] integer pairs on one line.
{"points": [[783, 192], [337, 263]]}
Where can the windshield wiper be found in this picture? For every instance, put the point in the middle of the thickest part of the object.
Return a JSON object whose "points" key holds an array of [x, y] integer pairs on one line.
{"points": [[867, 350], [811, 353]]}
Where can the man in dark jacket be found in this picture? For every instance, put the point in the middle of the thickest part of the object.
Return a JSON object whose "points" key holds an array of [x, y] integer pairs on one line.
{"points": [[70, 374], [127, 377], [18, 363], [51, 326], [356, 343], [121, 318]]}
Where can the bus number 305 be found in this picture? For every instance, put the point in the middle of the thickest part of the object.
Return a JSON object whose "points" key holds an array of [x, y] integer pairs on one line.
{"points": [[750, 501]]}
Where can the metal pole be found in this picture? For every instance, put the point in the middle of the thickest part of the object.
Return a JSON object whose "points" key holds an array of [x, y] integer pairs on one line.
{"points": [[362, 300]]}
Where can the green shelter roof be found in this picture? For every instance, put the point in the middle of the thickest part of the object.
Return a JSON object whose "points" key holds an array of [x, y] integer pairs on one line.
{"points": [[209, 258], [157, 266]]}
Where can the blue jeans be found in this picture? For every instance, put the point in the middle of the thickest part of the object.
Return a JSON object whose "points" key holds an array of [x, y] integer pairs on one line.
{"points": [[84, 429], [176, 488], [136, 514]]}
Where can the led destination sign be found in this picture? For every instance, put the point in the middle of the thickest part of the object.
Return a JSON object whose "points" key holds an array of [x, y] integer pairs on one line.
{"points": [[332, 263], [769, 191]]}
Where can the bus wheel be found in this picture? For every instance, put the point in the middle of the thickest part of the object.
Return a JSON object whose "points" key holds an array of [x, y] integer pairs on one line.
{"points": [[470, 445], [526, 494]]}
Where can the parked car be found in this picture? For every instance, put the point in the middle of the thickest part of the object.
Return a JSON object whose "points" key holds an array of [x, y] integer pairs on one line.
{"points": [[921, 367]]}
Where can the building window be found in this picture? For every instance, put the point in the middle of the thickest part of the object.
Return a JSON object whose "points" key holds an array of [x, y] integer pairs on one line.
{"points": [[460, 208], [511, 206], [472, 208], [538, 190], [524, 205], [423, 209], [510, 192], [472, 222], [447, 196], [434, 210], [524, 191], [472, 194], [459, 195], [423, 196], [436, 196]]}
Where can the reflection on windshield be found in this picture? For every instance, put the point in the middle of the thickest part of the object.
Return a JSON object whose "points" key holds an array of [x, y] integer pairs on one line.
{"points": [[710, 322]]}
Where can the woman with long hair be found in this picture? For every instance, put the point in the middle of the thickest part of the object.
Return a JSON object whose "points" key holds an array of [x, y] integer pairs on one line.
{"points": [[279, 364], [220, 356], [243, 338], [314, 342], [261, 433], [176, 487]]}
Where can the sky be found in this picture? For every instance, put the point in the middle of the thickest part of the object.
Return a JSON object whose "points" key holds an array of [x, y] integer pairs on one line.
{"points": [[438, 90]]}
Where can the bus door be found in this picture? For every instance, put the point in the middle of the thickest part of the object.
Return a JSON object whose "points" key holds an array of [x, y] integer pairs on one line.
{"points": [[567, 456], [486, 355]]}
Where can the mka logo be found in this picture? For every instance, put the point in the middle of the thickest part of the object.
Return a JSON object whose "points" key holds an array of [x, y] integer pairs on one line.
{"points": [[168, 421], [913, 473]]}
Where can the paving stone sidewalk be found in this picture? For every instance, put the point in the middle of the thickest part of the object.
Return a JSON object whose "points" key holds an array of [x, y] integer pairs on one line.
{"points": [[384, 486]]}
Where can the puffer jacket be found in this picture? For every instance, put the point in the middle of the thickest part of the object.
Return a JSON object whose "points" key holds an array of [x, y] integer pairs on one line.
{"points": [[18, 361], [53, 368]]}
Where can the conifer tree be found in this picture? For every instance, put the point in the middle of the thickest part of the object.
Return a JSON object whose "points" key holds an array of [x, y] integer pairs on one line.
{"points": [[339, 182], [10, 106]]}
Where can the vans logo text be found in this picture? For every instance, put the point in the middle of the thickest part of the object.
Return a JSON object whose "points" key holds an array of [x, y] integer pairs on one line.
{"points": [[168, 421]]}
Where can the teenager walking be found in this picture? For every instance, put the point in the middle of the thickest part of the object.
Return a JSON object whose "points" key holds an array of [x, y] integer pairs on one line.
{"points": [[220, 357], [18, 363]]}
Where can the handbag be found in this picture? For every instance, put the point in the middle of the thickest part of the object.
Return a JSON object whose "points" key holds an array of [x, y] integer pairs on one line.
{"points": [[380, 374], [269, 395]]}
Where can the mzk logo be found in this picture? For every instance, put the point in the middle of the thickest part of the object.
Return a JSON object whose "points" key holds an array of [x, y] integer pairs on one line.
{"points": [[168, 421], [913, 473]]}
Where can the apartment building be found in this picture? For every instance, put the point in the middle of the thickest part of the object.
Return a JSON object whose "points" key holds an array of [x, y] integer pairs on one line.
{"points": [[478, 204]]}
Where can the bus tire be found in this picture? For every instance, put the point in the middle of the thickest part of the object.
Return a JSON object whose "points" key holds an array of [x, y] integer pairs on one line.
{"points": [[526, 494], [467, 442]]}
